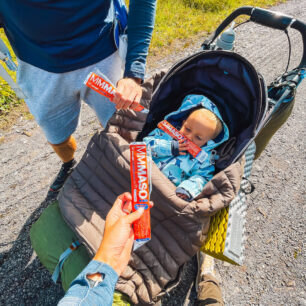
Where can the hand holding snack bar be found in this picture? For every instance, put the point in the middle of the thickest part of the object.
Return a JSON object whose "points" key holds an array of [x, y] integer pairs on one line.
{"points": [[128, 94], [118, 239], [140, 192]]}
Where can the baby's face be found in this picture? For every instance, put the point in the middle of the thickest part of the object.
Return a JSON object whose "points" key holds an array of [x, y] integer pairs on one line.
{"points": [[199, 131]]}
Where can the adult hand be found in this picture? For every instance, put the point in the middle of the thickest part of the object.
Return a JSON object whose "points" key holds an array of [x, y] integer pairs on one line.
{"points": [[128, 93], [117, 242]]}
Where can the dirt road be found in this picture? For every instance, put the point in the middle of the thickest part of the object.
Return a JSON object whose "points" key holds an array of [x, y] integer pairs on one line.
{"points": [[274, 269]]}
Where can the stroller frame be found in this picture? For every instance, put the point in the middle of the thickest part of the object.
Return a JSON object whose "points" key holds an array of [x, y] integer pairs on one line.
{"points": [[227, 233]]}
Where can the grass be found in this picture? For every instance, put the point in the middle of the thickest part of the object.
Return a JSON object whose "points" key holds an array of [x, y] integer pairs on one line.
{"points": [[8, 99], [183, 19], [177, 22]]}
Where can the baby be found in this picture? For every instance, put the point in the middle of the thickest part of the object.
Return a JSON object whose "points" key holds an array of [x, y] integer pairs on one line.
{"points": [[199, 120]]}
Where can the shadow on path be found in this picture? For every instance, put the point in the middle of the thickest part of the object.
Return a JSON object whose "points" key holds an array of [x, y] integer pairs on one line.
{"points": [[23, 280]]}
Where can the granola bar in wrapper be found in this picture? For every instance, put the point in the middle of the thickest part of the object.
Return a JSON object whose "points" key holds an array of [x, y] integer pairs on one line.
{"points": [[140, 192], [193, 149], [98, 82]]}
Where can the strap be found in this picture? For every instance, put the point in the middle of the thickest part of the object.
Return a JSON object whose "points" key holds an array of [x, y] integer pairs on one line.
{"points": [[287, 85], [4, 74], [120, 20], [6, 57], [63, 257], [121, 13]]}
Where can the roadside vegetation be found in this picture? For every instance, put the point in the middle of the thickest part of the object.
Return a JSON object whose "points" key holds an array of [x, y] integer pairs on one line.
{"points": [[177, 23], [8, 99], [184, 19]]}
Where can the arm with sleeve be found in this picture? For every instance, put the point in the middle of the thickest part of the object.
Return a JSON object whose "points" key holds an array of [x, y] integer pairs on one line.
{"points": [[161, 144], [140, 27], [84, 291], [193, 186]]}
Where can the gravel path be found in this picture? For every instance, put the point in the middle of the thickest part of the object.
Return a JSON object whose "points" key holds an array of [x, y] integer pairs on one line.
{"points": [[274, 269]]}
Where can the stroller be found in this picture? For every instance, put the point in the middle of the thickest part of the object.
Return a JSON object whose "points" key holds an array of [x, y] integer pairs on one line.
{"points": [[253, 113]]}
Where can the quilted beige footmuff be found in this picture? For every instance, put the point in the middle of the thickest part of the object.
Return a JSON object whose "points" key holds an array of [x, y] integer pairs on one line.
{"points": [[179, 228]]}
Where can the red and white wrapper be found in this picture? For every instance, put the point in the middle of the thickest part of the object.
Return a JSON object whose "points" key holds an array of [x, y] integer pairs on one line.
{"points": [[99, 83], [140, 192], [193, 149]]}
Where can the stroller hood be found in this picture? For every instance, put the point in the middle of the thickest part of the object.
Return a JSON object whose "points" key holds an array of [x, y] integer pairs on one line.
{"points": [[227, 79], [190, 103]]}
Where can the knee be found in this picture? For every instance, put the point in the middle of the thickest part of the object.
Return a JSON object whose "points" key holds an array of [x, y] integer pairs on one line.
{"points": [[42, 119]]}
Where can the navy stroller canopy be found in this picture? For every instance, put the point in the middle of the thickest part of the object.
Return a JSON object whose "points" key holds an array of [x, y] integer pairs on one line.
{"points": [[226, 78], [233, 84]]}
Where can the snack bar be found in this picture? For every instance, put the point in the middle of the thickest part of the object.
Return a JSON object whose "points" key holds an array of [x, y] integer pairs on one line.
{"points": [[99, 83], [193, 149], [140, 192]]}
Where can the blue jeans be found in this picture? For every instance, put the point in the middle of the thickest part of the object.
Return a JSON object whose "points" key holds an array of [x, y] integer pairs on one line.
{"points": [[54, 99]]}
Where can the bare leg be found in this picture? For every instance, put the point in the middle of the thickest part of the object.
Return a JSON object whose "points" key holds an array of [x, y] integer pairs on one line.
{"points": [[65, 151]]}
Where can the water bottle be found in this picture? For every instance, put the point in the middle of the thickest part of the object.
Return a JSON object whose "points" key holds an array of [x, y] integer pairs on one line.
{"points": [[226, 40]]}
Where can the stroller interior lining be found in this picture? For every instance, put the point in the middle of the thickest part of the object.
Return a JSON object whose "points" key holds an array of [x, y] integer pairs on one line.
{"points": [[229, 81]]}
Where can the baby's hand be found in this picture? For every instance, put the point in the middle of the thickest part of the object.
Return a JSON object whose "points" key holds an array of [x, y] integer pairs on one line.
{"points": [[183, 147], [182, 196]]}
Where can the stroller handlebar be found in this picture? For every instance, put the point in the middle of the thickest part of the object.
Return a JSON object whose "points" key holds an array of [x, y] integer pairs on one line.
{"points": [[271, 19], [264, 17]]}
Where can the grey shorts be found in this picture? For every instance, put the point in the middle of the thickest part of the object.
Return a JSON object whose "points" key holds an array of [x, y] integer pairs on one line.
{"points": [[54, 99]]}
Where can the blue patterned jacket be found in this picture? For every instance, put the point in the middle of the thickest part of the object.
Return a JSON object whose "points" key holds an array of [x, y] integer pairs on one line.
{"points": [[184, 171]]}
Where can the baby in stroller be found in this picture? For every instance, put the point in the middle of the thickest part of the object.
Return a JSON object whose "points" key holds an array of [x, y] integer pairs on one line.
{"points": [[199, 120]]}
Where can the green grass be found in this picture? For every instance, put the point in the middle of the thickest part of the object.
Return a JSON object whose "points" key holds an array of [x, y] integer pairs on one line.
{"points": [[8, 99], [183, 19], [176, 21]]}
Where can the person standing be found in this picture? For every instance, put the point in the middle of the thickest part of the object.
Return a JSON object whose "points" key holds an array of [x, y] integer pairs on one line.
{"points": [[57, 44]]}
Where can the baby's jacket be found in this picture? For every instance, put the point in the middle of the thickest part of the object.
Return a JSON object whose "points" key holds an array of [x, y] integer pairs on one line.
{"points": [[185, 171]]}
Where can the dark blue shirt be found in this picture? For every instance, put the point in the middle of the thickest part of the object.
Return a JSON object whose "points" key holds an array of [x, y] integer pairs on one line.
{"points": [[65, 35]]}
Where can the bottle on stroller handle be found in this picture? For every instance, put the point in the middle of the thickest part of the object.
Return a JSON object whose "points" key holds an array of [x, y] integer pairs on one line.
{"points": [[226, 40]]}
